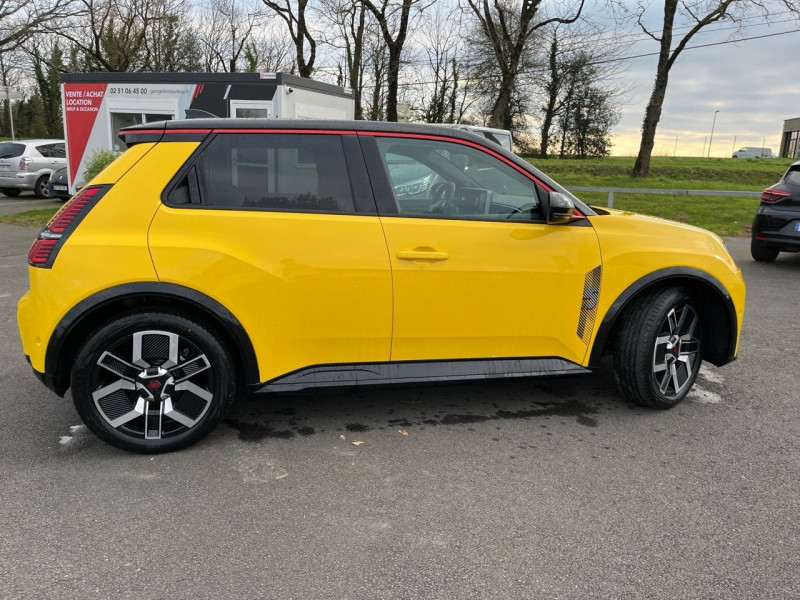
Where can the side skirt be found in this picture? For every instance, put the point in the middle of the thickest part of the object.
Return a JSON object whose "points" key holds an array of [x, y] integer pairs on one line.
{"points": [[389, 373]]}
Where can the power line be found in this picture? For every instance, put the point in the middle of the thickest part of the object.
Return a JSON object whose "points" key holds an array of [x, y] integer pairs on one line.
{"points": [[632, 57]]}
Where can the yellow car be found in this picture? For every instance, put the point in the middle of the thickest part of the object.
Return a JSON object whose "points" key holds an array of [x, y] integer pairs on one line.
{"points": [[278, 256]]}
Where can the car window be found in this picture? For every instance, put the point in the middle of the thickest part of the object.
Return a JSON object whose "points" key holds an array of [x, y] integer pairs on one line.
{"points": [[793, 176], [44, 150], [11, 150], [450, 180], [58, 151], [282, 172]]}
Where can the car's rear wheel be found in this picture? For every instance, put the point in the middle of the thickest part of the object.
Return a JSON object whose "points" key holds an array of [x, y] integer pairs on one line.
{"points": [[11, 192], [658, 350], [41, 189], [152, 382], [762, 253]]}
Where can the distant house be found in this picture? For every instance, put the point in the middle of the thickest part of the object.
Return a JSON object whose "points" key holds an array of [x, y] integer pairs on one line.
{"points": [[790, 141]]}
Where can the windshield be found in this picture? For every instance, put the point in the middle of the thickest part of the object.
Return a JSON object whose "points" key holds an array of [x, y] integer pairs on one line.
{"points": [[11, 150]]}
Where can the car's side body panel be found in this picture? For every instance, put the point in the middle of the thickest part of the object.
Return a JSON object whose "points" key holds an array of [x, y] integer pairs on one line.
{"points": [[308, 288], [107, 250], [505, 290]]}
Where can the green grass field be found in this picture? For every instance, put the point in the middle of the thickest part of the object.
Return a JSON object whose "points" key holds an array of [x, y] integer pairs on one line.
{"points": [[724, 216]]}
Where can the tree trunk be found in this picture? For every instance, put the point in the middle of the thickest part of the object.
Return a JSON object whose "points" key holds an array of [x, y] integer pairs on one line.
{"points": [[501, 111], [652, 116], [392, 78]]}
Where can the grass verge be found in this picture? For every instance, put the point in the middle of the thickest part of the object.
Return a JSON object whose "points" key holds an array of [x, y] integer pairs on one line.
{"points": [[723, 216], [30, 218]]}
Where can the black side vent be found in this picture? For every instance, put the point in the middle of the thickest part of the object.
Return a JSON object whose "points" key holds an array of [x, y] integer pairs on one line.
{"points": [[591, 293]]}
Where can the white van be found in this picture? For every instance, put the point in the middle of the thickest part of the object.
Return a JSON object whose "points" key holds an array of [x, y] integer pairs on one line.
{"points": [[752, 152]]}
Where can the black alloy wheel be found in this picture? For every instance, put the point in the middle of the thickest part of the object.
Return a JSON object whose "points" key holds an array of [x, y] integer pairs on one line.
{"points": [[152, 382], [42, 189]]}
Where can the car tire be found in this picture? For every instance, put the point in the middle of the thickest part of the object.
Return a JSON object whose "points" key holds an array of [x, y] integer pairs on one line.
{"points": [[152, 382], [41, 189], [658, 348], [762, 253], [11, 192]]}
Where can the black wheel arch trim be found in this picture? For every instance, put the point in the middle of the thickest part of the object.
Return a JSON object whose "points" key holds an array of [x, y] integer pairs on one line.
{"points": [[657, 278], [212, 309]]}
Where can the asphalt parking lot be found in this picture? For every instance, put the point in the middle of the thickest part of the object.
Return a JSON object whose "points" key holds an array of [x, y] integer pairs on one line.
{"points": [[549, 488]]}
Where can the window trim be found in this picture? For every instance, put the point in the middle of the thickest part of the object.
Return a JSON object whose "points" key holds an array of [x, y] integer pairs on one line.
{"points": [[363, 198], [382, 187]]}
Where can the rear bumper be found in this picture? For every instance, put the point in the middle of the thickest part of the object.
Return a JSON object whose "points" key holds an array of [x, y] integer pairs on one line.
{"points": [[777, 228], [48, 380], [19, 180]]}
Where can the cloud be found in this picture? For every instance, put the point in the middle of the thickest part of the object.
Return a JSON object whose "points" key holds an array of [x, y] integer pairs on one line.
{"points": [[753, 84]]}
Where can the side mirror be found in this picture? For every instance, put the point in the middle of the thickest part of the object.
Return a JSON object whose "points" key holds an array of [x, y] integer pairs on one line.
{"points": [[560, 208]]}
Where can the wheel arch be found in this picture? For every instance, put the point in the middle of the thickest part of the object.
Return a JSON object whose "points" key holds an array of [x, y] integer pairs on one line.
{"points": [[715, 304], [73, 329]]}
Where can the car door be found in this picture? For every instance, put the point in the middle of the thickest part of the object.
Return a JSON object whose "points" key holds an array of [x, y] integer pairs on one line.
{"points": [[477, 273], [281, 228]]}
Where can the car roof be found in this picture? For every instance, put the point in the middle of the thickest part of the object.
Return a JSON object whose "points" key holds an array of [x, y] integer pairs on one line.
{"points": [[36, 141]]}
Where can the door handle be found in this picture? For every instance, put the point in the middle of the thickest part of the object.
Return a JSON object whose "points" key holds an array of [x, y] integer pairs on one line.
{"points": [[431, 255]]}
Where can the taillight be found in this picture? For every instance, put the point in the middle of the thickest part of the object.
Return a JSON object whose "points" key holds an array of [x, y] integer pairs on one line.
{"points": [[24, 162], [40, 251], [72, 209], [45, 248], [771, 195]]}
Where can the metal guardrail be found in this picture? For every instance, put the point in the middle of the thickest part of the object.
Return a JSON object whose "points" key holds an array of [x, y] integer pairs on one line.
{"points": [[612, 190]]}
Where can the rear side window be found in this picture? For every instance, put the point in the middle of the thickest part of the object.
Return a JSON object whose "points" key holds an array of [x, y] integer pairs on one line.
{"points": [[793, 176], [52, 150], [11, 150], [281, 172]]}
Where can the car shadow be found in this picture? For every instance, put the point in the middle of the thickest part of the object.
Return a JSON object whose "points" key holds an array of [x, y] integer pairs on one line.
{"points": [[344, 411]]}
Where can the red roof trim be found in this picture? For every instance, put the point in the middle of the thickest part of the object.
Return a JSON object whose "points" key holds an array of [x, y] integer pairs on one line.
{"points": [[440, 138]]}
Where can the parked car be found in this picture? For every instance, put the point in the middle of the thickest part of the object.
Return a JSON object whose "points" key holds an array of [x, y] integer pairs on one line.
{"points": [[498, 136], [776, 227], [279, 256], [27, 165], [752, 152], [59, 184]]}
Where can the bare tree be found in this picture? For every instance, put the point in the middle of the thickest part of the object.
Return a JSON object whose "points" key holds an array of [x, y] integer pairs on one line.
{"points": [[443, 94], [349, 20], [295, 19], [699, 14], [393, 19], [226, 29], [580, 63], [510, 29], [20, 19], [269, 52], [128, 35]]}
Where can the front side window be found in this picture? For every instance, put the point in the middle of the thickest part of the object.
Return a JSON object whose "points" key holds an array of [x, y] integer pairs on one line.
{"points": [[282, 172], [450, 180]]}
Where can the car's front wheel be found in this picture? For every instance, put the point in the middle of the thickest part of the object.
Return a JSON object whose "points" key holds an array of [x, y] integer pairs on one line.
{"points": [[152, 382], [762, 253], [658, 350]]}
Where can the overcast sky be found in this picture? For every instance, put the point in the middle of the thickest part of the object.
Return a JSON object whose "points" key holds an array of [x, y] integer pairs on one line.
{"points": [[754, 84]]}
